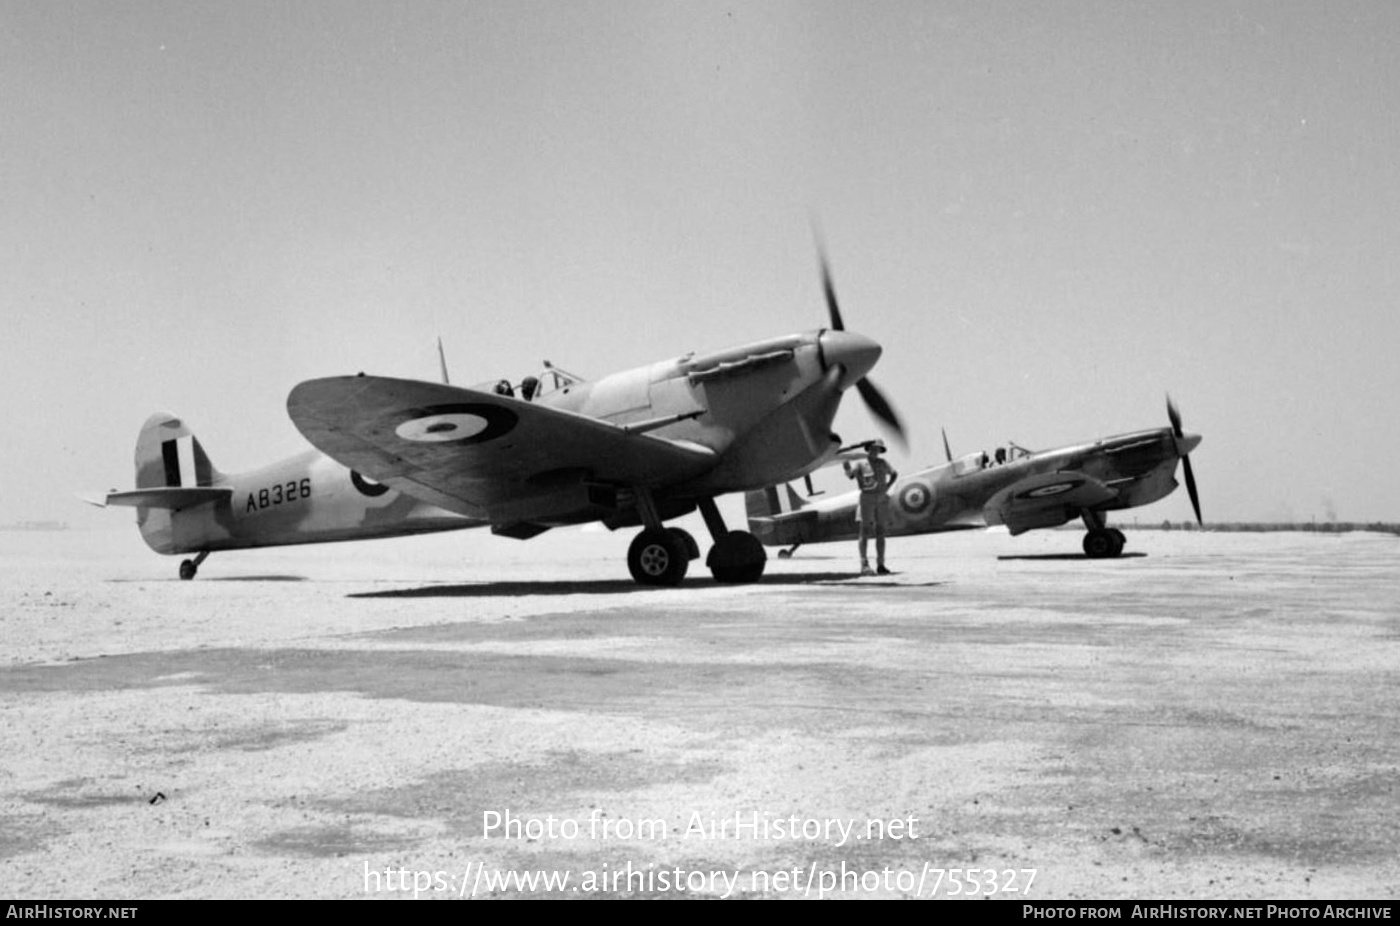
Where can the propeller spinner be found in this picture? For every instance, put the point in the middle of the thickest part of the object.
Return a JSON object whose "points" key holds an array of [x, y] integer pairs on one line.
{"points": [[1185, 443], [874, 399]]}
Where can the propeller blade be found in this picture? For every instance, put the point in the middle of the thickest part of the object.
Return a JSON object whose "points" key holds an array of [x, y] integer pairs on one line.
{"points": [[874, 400], [832, 308], [947, 451], [880, 407], [1191, 489], [1174, 416]]}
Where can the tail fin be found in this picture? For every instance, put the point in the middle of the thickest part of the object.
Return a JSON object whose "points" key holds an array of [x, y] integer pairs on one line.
{"points": [[772, 515], [774, 500], [168, 454]]}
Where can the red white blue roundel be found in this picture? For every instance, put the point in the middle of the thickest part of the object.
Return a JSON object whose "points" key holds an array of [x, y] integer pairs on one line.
{"points": [[915, 498], [1055, 488], [461, 423]]}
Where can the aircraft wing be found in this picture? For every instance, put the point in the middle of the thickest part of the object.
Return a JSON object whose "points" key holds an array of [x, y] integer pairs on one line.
{"points": [[476, 453], [1046, 500]]}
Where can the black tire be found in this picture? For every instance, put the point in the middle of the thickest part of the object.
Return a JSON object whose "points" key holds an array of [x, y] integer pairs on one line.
{"points": [[1100, 544], [737, 557], [188, 569], [658, 557], [692, 549]]}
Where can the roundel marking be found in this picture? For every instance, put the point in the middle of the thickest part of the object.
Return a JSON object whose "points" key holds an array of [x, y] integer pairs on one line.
{"points": [[439, 429], [462, 423], [367, 486], [1056, 488], [915, 498]]}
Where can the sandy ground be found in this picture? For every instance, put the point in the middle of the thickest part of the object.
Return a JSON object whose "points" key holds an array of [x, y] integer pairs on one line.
{"points": [[1213, 716]]}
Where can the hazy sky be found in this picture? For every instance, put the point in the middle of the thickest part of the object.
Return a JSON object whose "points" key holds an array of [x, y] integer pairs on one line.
{"points": [[1050, 214]]}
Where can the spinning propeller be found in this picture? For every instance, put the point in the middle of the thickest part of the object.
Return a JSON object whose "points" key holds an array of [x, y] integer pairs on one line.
{"points": [[874, 399], [1185, 443]]}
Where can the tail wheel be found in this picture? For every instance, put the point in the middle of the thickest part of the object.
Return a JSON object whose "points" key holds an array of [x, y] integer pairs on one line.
{"points": [[188, 569], [658, 557]]}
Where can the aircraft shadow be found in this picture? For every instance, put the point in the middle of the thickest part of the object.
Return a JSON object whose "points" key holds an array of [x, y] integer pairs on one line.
{"points": [[493, 589], [201, 580], [255, 579], [1074, 556], [617, 586]]}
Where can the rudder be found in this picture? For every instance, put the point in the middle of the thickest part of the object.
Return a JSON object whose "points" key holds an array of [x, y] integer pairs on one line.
{"points": [[168, 455]]}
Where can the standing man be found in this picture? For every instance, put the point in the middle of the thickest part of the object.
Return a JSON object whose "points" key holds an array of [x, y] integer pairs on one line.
{"points": [[874, 476]]}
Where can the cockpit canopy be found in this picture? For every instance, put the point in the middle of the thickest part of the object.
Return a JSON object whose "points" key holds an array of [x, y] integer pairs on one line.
{"points": [[975, 462], [547, 381]]}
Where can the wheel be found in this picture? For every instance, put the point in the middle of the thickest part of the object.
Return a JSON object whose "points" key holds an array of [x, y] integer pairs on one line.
{"points": [[737, 557], [658, 557], [784, 554], [1119, 541], [1100, 544], [188, 569], [692, 549]]}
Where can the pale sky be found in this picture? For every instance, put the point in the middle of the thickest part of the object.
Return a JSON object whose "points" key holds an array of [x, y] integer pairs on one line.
{"points": [[1050, 215]]}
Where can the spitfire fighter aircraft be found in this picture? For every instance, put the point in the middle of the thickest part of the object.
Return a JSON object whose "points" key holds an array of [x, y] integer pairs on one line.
{"points": [[1016, 487], [640, 447]]}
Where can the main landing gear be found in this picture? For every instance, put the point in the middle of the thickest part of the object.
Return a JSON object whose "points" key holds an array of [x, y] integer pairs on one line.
{"points": [[189, 567], [1102, 542], [661, 555]]}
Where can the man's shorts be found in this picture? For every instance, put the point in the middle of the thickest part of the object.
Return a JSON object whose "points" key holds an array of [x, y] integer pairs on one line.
{"points": [[872, 510]]}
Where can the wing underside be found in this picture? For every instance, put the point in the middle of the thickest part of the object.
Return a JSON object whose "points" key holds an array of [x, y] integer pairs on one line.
{"points": [[483, 455], [1046, 500]]}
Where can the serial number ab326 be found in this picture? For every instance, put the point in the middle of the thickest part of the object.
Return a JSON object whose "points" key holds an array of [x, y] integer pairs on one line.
{"points": [[278, 494]]}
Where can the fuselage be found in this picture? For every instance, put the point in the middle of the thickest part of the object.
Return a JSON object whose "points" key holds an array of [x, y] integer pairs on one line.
{"points": [[308, 498]]}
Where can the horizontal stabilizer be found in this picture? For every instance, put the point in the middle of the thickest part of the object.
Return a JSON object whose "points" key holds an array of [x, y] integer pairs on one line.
{"points": [[172, 498]]}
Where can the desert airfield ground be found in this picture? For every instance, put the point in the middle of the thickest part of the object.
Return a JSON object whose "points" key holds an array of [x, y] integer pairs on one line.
{"points": [[1212, 716]]}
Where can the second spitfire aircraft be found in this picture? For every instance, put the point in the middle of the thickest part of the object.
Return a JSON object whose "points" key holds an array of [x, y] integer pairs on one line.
{"points": [[1018, 488], [639, 447]]}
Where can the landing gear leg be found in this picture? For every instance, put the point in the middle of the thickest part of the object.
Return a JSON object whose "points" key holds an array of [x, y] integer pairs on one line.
{"points": [[1102, 542], [737, 556], [189, 567], [658, 556]]}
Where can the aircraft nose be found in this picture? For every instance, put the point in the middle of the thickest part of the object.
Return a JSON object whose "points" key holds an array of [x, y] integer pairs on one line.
{"points": [[854, 352], [1186, 443]]}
